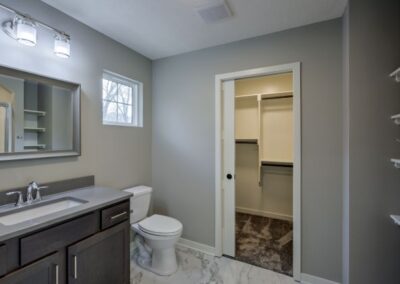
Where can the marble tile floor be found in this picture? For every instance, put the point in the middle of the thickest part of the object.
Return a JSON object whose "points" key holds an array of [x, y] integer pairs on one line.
{"points": [[198, 268]]}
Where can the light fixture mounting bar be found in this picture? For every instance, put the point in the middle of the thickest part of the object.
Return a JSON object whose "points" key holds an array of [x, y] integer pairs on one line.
{"points": [[4, 7]]}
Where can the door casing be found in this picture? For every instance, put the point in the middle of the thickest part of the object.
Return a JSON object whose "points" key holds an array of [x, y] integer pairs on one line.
{"points": [[295, 68]]}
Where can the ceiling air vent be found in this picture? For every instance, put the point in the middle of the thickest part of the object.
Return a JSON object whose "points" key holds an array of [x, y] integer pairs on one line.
{"points": [[212, 11]]}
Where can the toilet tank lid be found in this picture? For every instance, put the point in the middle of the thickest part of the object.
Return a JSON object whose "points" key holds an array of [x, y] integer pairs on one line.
{"points": [[139, 190]]}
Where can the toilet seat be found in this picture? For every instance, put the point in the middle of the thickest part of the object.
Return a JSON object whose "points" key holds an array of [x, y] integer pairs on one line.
{"points": [[160, 225]]}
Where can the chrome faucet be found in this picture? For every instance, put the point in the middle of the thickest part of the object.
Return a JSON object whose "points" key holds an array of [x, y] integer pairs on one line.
{"points": [[29, 198], [29, 195], [20, 200]]}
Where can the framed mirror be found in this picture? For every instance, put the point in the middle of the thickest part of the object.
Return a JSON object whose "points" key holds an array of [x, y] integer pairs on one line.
{"points": [[39, 116]]}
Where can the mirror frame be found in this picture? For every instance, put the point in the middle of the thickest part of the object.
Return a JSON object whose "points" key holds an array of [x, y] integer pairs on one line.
{"points": [[76, 135]]}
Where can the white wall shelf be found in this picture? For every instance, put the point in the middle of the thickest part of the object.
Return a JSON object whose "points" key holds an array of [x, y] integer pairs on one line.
{"points": [[396, 219], [37, 129], [396, 75], [267, 95], [396, 118], [38, 146], [35, 112], [396, 163]]}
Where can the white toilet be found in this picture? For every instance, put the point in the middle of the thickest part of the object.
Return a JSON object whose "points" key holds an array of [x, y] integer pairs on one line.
{"points": [[160, 233]]}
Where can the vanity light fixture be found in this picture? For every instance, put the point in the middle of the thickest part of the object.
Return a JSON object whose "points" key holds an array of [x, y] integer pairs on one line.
{"points": [[61, 45], [23, 28], [25, 31]]}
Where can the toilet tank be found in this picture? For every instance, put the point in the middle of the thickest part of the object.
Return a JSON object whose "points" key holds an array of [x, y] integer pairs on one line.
{"points": [[140, 202]]}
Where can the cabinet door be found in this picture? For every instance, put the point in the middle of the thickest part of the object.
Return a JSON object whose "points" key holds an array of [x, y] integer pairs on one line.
{"points": [[102, 258], [48, 270]]}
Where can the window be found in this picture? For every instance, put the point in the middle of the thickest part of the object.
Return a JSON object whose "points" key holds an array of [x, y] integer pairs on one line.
{"points": [[122, 101]]}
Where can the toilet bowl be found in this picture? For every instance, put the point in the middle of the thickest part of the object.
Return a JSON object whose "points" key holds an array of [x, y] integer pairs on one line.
{"points": [[160, 234], [160, 242]]}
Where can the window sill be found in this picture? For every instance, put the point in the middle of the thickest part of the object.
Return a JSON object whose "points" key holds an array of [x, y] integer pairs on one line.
{"points": [[121, 124]]}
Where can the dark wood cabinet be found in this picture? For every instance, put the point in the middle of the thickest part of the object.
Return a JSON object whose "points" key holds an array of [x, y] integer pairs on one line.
{"points": [[9, 260], [89, 249], [3, 259], [102, 258], [57, 237], [47, 270]]}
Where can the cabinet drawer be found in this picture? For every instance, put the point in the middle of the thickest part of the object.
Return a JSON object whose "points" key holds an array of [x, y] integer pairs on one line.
{"points": [[114, 214], [50, 240]]}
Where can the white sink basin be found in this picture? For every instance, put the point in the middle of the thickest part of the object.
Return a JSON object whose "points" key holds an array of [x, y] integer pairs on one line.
{"points": [[39, 210]]}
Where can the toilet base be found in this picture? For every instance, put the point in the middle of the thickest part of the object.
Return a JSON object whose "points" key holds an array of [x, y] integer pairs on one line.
{"points": [[162, 262]]}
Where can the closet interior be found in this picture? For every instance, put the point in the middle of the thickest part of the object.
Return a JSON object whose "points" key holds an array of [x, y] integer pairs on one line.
{"points": [[264, 171]]}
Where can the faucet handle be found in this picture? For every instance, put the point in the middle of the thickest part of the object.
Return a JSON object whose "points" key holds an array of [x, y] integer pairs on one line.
{"points": [[20, 200], [33, 184], [38, 195]]}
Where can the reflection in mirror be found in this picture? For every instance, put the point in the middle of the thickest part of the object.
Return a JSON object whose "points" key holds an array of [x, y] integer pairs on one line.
{"points": [[36, 115]]}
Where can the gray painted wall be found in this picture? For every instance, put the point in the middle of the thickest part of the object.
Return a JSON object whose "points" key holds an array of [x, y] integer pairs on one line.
{"points": [[117, 156], [183, 135], [373, 52]]}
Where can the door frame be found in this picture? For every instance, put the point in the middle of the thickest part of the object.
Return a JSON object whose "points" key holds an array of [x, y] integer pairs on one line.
{"points": [[295, 68]]}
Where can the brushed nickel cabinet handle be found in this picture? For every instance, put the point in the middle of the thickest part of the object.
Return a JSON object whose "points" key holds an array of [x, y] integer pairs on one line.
{"points": [[119, 215], [57, 274], [75, 267]]}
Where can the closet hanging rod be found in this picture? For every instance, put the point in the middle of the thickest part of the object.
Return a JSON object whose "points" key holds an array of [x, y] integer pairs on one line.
{"points": [[277, 97], [276, 94], [277, 164], [246, 141]]}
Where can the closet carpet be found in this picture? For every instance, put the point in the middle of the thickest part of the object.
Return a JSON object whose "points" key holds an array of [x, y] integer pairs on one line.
{"points": [[264, 242]]}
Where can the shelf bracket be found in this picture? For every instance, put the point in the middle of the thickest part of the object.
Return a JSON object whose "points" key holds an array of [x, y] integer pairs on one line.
{"points": [[396, 163], [396, 75], [396, 119], [396, 219]]}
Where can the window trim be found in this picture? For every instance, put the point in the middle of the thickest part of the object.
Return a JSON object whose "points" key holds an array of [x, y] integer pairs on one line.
{"points": [[138, 99]]}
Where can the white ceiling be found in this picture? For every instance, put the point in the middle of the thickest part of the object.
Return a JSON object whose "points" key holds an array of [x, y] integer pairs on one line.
{"points": [[161, 28]]}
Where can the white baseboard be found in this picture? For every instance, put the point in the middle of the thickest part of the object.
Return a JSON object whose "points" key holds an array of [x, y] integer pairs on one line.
{"points": [[264, 213], [311, 279], [196, 246]]}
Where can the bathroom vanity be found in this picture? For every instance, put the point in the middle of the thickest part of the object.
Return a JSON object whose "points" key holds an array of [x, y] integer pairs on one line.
{"points": [[87, 241]]}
